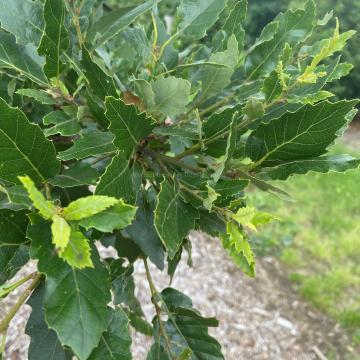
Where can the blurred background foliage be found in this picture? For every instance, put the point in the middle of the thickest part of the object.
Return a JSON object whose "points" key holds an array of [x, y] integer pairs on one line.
{"points": [[261, 12]]}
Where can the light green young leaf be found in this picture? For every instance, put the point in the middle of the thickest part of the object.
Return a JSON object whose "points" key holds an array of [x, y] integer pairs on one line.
{"points": [[126, 124], [77, 253], [117, 217], [244, 217], [40, 96], [311, 98], [22, 59], [171, 95], [211, 198], [60, 232], [55, 39], [90, 144], [330, 47], [341, 70], [173, 218], [22, 18], [46, 208], [303, 134], [197, 16], [239, 245], [88, 206]]}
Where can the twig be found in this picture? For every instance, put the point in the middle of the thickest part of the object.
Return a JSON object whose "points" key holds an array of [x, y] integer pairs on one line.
{"points": [[7, 289], [4, 324]]}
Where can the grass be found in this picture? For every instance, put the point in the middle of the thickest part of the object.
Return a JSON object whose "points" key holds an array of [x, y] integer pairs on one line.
{"points": [[319, 240]]}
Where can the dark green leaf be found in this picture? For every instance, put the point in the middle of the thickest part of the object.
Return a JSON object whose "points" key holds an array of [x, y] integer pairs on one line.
{"points": [[90, 144], [75, 300], [338, 163], [64, 122], [44, 344], [12, 259], [55, 39], [173, 218], [29, 154], [76, 175], [13, 226], [115, 343], [22, 59], [128, 126], [100, 83], [143, 233], [121, 180], [301, 135]]}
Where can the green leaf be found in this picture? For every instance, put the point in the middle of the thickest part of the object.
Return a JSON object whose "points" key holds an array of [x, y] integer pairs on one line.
{"points": [[29, 154], [109, 27], [64, 122], [77, 174], [13, 226], [55, 39], [46, 208], [22, 18], [311, 98], [230, 148], [88, 206], [215, 80], [239, 249], [116, 217], [294, 27], [100, 83], [140, 325], [90, 144], [234, 22], [116, 342], [197, 16], [75, 300], [12, 259], [173, 218], [38, 95], [340, 71], [77, 252], [301, 135], [145, 91], [217, 124], [329, 47], [121, 180], [272, 87], [143, 232], [126, 124], [22, 59], [211, 198], [171, 95], [60, 230], [17, 197], [337, 163], [186, 331], [44, 344]]}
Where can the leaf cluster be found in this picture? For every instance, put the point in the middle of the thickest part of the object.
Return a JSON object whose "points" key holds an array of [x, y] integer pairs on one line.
{"points": [[130, 126]]}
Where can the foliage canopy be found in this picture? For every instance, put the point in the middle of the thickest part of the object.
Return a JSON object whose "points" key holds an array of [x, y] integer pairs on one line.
{"points": [[133, 130]]}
